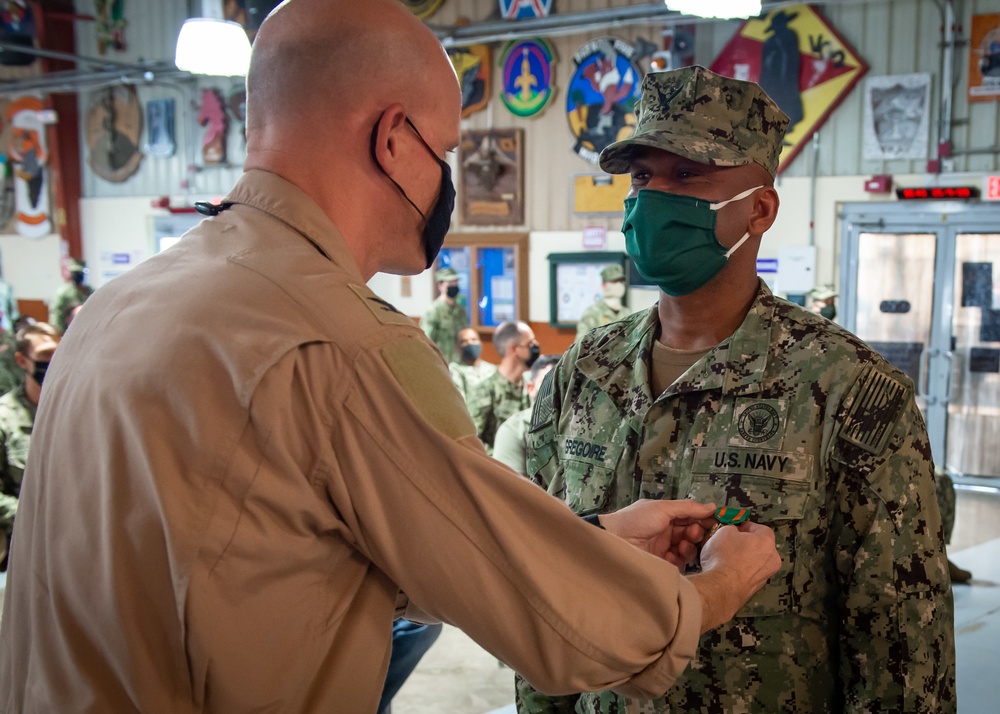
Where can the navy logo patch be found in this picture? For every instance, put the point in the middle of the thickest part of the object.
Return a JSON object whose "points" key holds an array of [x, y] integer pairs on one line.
{"points": [[600, 101], [758, 422]]}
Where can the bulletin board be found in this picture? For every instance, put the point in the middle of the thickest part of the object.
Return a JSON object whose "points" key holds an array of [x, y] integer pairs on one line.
{"points": [[575, 283]]}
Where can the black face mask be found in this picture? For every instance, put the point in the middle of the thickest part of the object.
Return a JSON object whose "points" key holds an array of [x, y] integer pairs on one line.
{"points": [[39, 372], [437, 223], [828, 311], [452, 291], [77, 278], [533, 352]]}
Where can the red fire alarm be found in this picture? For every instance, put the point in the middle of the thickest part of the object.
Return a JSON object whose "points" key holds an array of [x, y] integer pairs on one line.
{"points": [[879, 184]]}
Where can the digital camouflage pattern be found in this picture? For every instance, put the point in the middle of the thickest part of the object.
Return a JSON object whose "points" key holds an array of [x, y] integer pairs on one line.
{"points": [[492, 402], [466, 377], [705, 117], [946, 502], [67, 294], [442, 323], [798, 420], [17, 417], [11, 376], [600, 313]]}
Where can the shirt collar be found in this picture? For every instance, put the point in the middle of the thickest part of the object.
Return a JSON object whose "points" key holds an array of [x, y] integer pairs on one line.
{"points": [[737, 365], [288, 203]]}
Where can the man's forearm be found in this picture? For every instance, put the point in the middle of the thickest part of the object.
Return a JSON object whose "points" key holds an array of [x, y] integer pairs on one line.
{"points": [[720, 598]]}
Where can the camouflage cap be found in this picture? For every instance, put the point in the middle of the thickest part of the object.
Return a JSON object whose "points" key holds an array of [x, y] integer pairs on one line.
{"points": [[704, 117], [445, 275], [612, 272], [823, 292], [75, 265]]}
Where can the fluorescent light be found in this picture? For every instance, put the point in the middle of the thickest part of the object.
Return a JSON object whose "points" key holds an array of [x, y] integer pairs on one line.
{"points": [[716, 8], [214, 47]]}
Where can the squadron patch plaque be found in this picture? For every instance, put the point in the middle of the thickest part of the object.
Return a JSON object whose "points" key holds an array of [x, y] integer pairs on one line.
{"points": [[600, 100]]}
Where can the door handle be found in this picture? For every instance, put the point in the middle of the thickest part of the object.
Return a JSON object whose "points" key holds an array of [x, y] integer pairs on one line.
{"points": [[950, 356], [923, 368]]}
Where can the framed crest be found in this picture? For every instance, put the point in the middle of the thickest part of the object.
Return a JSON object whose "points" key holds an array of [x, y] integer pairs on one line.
{"points": [[897, 117], [492, 177]]}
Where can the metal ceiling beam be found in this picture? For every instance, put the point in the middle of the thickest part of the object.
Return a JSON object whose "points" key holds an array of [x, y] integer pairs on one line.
{"points": [[603, 20]]}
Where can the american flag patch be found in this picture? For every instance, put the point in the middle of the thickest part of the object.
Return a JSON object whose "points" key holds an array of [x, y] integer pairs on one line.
{"points": [[872, 414]]}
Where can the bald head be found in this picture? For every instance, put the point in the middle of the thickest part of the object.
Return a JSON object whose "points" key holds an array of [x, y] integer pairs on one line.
{"points": [[356, 103], [326, 60]]}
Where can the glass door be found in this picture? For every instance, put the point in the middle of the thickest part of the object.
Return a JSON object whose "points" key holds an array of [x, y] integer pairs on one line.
{"points": [[921, 285], [974, 397]]}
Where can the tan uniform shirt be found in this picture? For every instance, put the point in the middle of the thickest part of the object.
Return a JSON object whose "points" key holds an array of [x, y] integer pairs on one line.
{"points": [[236, 479]]}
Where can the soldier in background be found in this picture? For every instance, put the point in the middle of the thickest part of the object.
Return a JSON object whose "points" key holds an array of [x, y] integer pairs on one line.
{"points": [[75, 290], [470, 369], [445, 317], [35, 345], [824, 301], [723, 392], [496, 398], [609, 307], [509, 444]]}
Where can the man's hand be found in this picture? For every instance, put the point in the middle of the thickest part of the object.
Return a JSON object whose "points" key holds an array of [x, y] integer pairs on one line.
{"points": [[736, 562], [670, 530]]}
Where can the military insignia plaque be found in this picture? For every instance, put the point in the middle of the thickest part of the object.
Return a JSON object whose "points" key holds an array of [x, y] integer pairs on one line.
{"points": [[798, 58], [492, 179], [526, 77], [601, 97], [472, 65]]}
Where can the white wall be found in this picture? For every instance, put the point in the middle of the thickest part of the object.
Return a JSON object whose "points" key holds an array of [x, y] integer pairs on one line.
{"points": [[114, 229], [31, 265]]}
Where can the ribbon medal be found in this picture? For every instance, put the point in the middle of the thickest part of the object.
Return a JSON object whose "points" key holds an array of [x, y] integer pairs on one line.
{"points": [[731, 516]]}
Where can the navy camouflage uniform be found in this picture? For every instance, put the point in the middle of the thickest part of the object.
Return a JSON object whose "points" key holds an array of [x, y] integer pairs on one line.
{"points": [[799, 421]]}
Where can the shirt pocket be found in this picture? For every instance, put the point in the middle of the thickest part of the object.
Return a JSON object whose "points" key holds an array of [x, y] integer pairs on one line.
{"points": [[588, 473], [777, 493]]}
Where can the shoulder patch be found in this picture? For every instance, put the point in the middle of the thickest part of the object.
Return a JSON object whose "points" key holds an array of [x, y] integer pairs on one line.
{"points": [[541, 414], [873, 408], [424, 378], [385, 312]]}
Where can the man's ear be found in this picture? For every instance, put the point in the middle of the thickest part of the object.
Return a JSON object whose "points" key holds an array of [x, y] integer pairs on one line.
{"points": [[22, 361], [385, 138], [765, 210]]}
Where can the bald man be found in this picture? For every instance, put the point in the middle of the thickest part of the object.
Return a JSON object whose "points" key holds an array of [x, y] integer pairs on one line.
{"points": [[234, 498]]}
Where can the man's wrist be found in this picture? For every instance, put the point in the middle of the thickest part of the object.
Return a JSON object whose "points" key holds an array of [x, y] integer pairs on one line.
{"points": [[593, 519]]}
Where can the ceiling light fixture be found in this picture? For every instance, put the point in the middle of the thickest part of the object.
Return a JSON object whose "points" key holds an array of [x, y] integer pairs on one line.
{"points": [[214, 47], [724, 9]]}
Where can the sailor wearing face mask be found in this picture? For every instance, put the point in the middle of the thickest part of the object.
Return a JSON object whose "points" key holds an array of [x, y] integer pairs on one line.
{"points": [[609, 307], [470, 369], [723, 392], [73, 290], [446, 315], [500, 396], [36, 344]]}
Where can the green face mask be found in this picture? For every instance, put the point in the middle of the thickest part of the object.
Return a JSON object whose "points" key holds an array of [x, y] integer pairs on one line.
{"points": [[671, 238]]}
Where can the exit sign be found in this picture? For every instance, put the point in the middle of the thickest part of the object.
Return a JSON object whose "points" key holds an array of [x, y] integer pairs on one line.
{"points": [[992, 188]]}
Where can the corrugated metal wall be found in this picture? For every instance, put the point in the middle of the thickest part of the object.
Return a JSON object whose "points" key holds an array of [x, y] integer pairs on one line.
{"points": [[151, 34], [893, 36]]}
